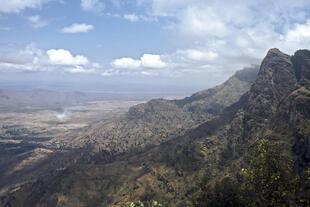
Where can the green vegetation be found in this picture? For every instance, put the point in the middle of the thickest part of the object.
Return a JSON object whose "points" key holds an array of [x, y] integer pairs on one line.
{"points": [[160, 120], [13, 131], [304, 90], [143, 204], [268, 181], [270, 176], [226, 192], [253, 153], [304, 199]]}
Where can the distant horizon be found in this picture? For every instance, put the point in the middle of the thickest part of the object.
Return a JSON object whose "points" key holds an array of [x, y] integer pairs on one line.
{"points": [[151, 89], [140, 45]]}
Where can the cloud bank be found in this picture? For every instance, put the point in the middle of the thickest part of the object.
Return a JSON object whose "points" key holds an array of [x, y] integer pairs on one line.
{"points": [[34, 59], [208, 38], [220, 37], [16, 6], [146, 61]]}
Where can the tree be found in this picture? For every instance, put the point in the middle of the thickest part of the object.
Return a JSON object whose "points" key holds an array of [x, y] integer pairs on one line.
{"points": [[270, 176], [304, 198], [225, 193]]}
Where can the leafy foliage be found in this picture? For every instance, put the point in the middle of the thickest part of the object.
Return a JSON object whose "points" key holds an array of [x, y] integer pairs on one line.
{"points": [[304, 199], [224, 193], [270, 176], [268, 181]]}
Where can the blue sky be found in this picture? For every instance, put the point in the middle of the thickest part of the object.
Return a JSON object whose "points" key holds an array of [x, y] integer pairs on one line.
{"points": [[184, 44]]}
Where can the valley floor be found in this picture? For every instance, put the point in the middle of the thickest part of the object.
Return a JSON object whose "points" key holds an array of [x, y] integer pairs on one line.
{"points": [[29, 135]]}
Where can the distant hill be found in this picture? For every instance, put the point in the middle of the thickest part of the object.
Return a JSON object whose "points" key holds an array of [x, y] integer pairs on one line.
{"points": [[158, 120], [13, 100]]}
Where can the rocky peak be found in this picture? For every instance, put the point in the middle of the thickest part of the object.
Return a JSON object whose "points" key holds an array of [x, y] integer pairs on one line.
{"points": [[273, 52], [275, 79], [277, 71], [301, 61]]}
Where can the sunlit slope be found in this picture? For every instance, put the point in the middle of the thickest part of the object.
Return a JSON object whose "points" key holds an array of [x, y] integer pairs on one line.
{"points": [[277, 107], [160, 120]]}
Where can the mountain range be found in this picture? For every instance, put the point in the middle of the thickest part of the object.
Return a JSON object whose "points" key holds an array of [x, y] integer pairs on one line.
{"points": [[159, 120], [164, 150]]}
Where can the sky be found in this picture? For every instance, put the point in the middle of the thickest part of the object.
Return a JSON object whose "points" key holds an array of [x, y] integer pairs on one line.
{"points": [[143, 44]]}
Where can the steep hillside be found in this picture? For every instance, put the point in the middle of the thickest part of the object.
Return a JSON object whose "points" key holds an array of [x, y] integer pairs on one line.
{"points": [[156, 120], [159, 120], [276, 108]]}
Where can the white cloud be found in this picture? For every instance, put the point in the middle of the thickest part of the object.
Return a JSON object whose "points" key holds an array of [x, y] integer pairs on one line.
{"points": [[31, 51], [37, 22], [152, 61], [77, 28], [16, 6], [92, 5], [223, 36], [64, 57], [300, 33], [126, 63], [136, 18], [32, 58], [29, 58], [147, 61], [210, 37], [202, 22], [131, 17]]}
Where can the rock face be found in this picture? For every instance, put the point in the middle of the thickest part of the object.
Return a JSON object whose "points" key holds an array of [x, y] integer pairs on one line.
{"points": [[276, 78], [301, 63], [276, 107], [295, 110], [159, 120]]}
